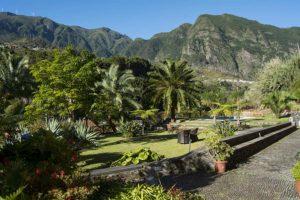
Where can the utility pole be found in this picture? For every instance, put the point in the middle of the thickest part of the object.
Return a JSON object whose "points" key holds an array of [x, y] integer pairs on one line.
{"points": [[238, 101]]}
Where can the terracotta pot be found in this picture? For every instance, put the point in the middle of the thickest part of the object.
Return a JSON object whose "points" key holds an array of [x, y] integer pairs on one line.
{"points": [[220, 166], [297, 187]]}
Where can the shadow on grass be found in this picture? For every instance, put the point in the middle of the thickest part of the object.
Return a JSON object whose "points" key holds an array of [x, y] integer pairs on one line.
{"points": [[104, 159], [146, 138]]}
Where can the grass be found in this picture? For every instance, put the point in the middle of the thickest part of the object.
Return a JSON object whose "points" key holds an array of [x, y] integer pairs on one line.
{"points": [[267, 120], [112, 147]]}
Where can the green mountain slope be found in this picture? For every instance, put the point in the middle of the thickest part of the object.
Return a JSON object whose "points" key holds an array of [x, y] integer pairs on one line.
{"points": [[224, 43], [45, 32]]}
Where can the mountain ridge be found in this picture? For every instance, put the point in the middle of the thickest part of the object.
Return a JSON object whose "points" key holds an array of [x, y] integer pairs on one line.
{"points": [[225, 43]]}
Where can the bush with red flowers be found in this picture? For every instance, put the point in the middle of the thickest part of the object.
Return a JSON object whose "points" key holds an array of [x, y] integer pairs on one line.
{"points": [[40, 162]]}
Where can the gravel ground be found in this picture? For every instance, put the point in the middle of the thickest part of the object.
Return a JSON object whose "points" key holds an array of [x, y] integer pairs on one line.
{"points": [[265, 176]]}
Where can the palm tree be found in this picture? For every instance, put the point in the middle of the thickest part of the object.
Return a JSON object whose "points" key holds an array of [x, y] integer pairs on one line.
{"points": [[117, 87], [14, 75], [175, 86], [278, 102]]}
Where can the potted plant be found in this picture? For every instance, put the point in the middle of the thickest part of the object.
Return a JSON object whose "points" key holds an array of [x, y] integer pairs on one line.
{"points": [[221, 151], [296, 174]]}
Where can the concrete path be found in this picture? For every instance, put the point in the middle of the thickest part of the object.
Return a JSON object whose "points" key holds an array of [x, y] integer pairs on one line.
{"points": [[265, 176]]}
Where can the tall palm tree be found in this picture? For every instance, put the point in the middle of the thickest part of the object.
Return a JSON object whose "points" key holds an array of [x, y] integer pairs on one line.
{"points": [[14, 74], [175, 86], [117, 87]]}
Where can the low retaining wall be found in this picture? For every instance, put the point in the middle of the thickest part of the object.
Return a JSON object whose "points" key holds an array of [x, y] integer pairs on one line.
{"points": [[252, 134], [197, 160], [249, 148], [245, 145]]}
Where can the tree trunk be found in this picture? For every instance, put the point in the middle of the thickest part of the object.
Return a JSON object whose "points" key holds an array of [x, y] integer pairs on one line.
{"points": [[173, 114], [238, 121], [112, 124]]}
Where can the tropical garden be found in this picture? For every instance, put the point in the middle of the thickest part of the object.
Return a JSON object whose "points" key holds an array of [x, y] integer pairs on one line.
{"points": [[65, 112]]}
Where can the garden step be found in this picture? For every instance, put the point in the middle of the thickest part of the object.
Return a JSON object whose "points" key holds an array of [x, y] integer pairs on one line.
{"points": [[252, 134], [249, 148], [114, 170]]}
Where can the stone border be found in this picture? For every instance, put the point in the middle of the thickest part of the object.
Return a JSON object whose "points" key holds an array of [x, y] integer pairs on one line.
{"points": [[252, 134], [245, 145]]}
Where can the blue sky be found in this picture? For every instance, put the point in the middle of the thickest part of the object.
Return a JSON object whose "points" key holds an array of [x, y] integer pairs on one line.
{"points": [[143, 18]]}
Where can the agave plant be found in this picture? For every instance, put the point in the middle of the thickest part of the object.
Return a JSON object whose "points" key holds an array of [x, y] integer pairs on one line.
{"points": [[54, 126], [85, 133]]}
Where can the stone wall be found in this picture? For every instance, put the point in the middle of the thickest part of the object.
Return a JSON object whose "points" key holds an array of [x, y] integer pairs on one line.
{"points": [[252, 134], [197, 160], [245, 145]]}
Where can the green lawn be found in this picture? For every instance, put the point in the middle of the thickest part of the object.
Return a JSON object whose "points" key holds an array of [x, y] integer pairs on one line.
{"points": [[111, 147], [267, 120]]}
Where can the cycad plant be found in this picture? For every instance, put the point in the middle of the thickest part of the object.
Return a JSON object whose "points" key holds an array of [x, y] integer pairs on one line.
{"points": [[12, 114], [148, 116], [14, 74], [119, 86], [175, 87], [117, 93]]}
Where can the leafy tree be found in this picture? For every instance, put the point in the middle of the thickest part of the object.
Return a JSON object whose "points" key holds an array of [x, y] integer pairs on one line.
{"points": [[64, 85], [175, 86], [278, 102], [277, 75], [116, 95]]}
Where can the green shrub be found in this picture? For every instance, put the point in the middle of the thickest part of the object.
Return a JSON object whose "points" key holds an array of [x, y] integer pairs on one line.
{"points": [[75, 186], [296, 171], [137, 156], [225, 128], [118, 190], [149, 192], [220, 150], [131, 129], [38, 162]]}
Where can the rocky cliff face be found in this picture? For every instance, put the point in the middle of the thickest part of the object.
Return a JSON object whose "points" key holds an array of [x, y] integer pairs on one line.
{"points": [[224, 43]]}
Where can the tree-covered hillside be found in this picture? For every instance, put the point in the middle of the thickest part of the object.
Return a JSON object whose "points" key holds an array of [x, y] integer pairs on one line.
{"points": [[224, 43], [43, 32]]}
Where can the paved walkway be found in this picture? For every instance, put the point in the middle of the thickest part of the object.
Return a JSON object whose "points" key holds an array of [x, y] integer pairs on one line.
{"points": [[265, 176]]}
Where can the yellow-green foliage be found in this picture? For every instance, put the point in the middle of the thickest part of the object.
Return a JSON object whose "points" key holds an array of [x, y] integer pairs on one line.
{"points": [[296, 171]]}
